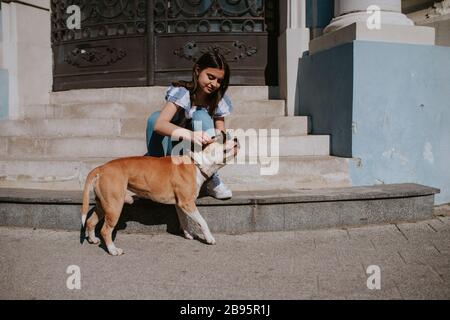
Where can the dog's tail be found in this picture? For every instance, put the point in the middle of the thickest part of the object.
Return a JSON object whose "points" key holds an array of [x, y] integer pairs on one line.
{"points": [[87, 186]]}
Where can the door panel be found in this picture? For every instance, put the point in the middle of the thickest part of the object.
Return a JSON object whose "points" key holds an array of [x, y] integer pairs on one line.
{"points": [[239, 29], [154, 42]]}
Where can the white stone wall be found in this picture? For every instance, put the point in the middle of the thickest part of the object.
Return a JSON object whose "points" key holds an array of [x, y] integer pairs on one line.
{"points": [[27, 54], [293, 41]]}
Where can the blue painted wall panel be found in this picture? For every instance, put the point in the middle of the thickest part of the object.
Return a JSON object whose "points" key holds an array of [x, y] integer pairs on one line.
{"points": [[394, 99], [401, 109]]}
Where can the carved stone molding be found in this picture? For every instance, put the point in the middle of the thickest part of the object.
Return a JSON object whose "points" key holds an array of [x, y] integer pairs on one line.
{"points": [[436, 13], [439, 9]]}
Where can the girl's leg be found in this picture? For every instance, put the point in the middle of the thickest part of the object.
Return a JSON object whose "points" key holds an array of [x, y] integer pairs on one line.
{"points": [[202, 121], [157, 145]]}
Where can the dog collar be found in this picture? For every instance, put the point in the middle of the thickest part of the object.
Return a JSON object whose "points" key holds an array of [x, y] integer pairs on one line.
{"points": [[204, 174], [224, 136]]}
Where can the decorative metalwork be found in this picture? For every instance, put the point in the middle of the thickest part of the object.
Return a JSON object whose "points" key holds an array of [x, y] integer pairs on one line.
{"points": [[99, 19], [193, 50], [116, 46], [204, 16], [98, 56]]}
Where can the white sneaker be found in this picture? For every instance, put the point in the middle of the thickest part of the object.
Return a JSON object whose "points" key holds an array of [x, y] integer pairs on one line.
{"points": [[220, 192]]}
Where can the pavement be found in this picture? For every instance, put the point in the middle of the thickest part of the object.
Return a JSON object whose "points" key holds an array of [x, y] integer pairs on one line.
{"points": [[412, 261]]}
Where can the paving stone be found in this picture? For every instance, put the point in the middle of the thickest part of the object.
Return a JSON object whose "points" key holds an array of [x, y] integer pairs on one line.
{"points": [[268, 265], [379, 235], [341, 284]]}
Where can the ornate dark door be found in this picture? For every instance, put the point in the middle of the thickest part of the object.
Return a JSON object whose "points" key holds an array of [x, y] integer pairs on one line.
{"points": [[244, 31], [139, 42]]}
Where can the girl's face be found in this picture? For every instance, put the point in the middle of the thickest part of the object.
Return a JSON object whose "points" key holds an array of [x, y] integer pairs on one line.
{"points": [[210, 79]]}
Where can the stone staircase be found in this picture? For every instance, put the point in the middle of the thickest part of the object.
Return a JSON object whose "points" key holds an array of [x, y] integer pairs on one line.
{"points": [[54, 146], [46, 156]]}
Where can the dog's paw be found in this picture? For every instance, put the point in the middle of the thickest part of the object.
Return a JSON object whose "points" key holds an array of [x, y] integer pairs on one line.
{"points": [[187, 235], [211, 241], [115, 251], [93, 240]]}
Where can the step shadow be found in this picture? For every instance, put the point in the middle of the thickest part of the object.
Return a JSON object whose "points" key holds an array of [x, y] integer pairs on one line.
{"points": [[148, 213]]}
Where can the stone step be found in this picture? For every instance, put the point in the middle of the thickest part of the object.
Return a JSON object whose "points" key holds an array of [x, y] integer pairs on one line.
{"points": [[61, 127], [135, 127], [288, 126], [292, 172], [146, 95], [271, 210], [114, 110], [32, 147]]}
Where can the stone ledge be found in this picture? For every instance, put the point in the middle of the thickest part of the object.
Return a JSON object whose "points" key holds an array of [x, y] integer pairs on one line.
{"points": [[12, 195], [388, 33], [246, 212]]}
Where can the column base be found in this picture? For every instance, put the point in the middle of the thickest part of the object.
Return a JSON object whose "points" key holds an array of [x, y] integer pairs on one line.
{"points": [[388, 33], [387, 18]]}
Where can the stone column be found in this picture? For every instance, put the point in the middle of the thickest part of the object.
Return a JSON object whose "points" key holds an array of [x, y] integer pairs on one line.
{"points": [[293, 41], [351, 11]]}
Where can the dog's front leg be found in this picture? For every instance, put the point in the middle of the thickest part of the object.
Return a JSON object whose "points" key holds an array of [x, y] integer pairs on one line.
{"points": [[184, 223], [190, 210]]}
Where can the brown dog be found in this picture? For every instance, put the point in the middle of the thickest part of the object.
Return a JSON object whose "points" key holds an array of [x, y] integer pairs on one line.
{"points": [[170, 180]]}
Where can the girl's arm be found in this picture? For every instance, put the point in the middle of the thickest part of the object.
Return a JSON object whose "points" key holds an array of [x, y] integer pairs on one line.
{"points": [[164, 127]]}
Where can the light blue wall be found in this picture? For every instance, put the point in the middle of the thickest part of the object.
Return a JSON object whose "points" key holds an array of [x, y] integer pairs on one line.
{"points": [[401, 108], [3, 94], [394, 99]]}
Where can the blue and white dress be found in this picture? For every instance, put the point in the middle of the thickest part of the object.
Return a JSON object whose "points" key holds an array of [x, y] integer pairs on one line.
{"points": [[181, 97]]}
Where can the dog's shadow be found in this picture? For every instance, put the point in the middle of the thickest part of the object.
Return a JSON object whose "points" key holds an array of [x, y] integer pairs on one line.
{"points": [[146, 216]]}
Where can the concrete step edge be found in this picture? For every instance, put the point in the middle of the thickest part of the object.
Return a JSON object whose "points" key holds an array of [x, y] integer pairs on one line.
{"points": [[245, 197], [88, 159], [118, 127], [256, 211], [125, 138]]}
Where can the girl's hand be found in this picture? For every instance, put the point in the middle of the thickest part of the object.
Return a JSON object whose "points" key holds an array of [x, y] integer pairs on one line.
{"points": [[201, 138]]}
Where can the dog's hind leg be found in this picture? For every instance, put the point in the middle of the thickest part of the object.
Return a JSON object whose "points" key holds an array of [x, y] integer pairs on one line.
{"points": [[90, 228], [92, 222], [111, 219], [184, 225]]}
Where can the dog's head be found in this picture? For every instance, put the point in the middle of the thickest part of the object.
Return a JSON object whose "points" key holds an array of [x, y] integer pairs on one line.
{"points": [[222, 150]]}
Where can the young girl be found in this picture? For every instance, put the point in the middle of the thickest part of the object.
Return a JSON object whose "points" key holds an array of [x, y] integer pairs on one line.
{"points": [[200, 101]]}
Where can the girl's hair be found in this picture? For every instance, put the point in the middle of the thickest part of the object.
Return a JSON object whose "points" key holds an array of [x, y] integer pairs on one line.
{"points": [[210, 59]]}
